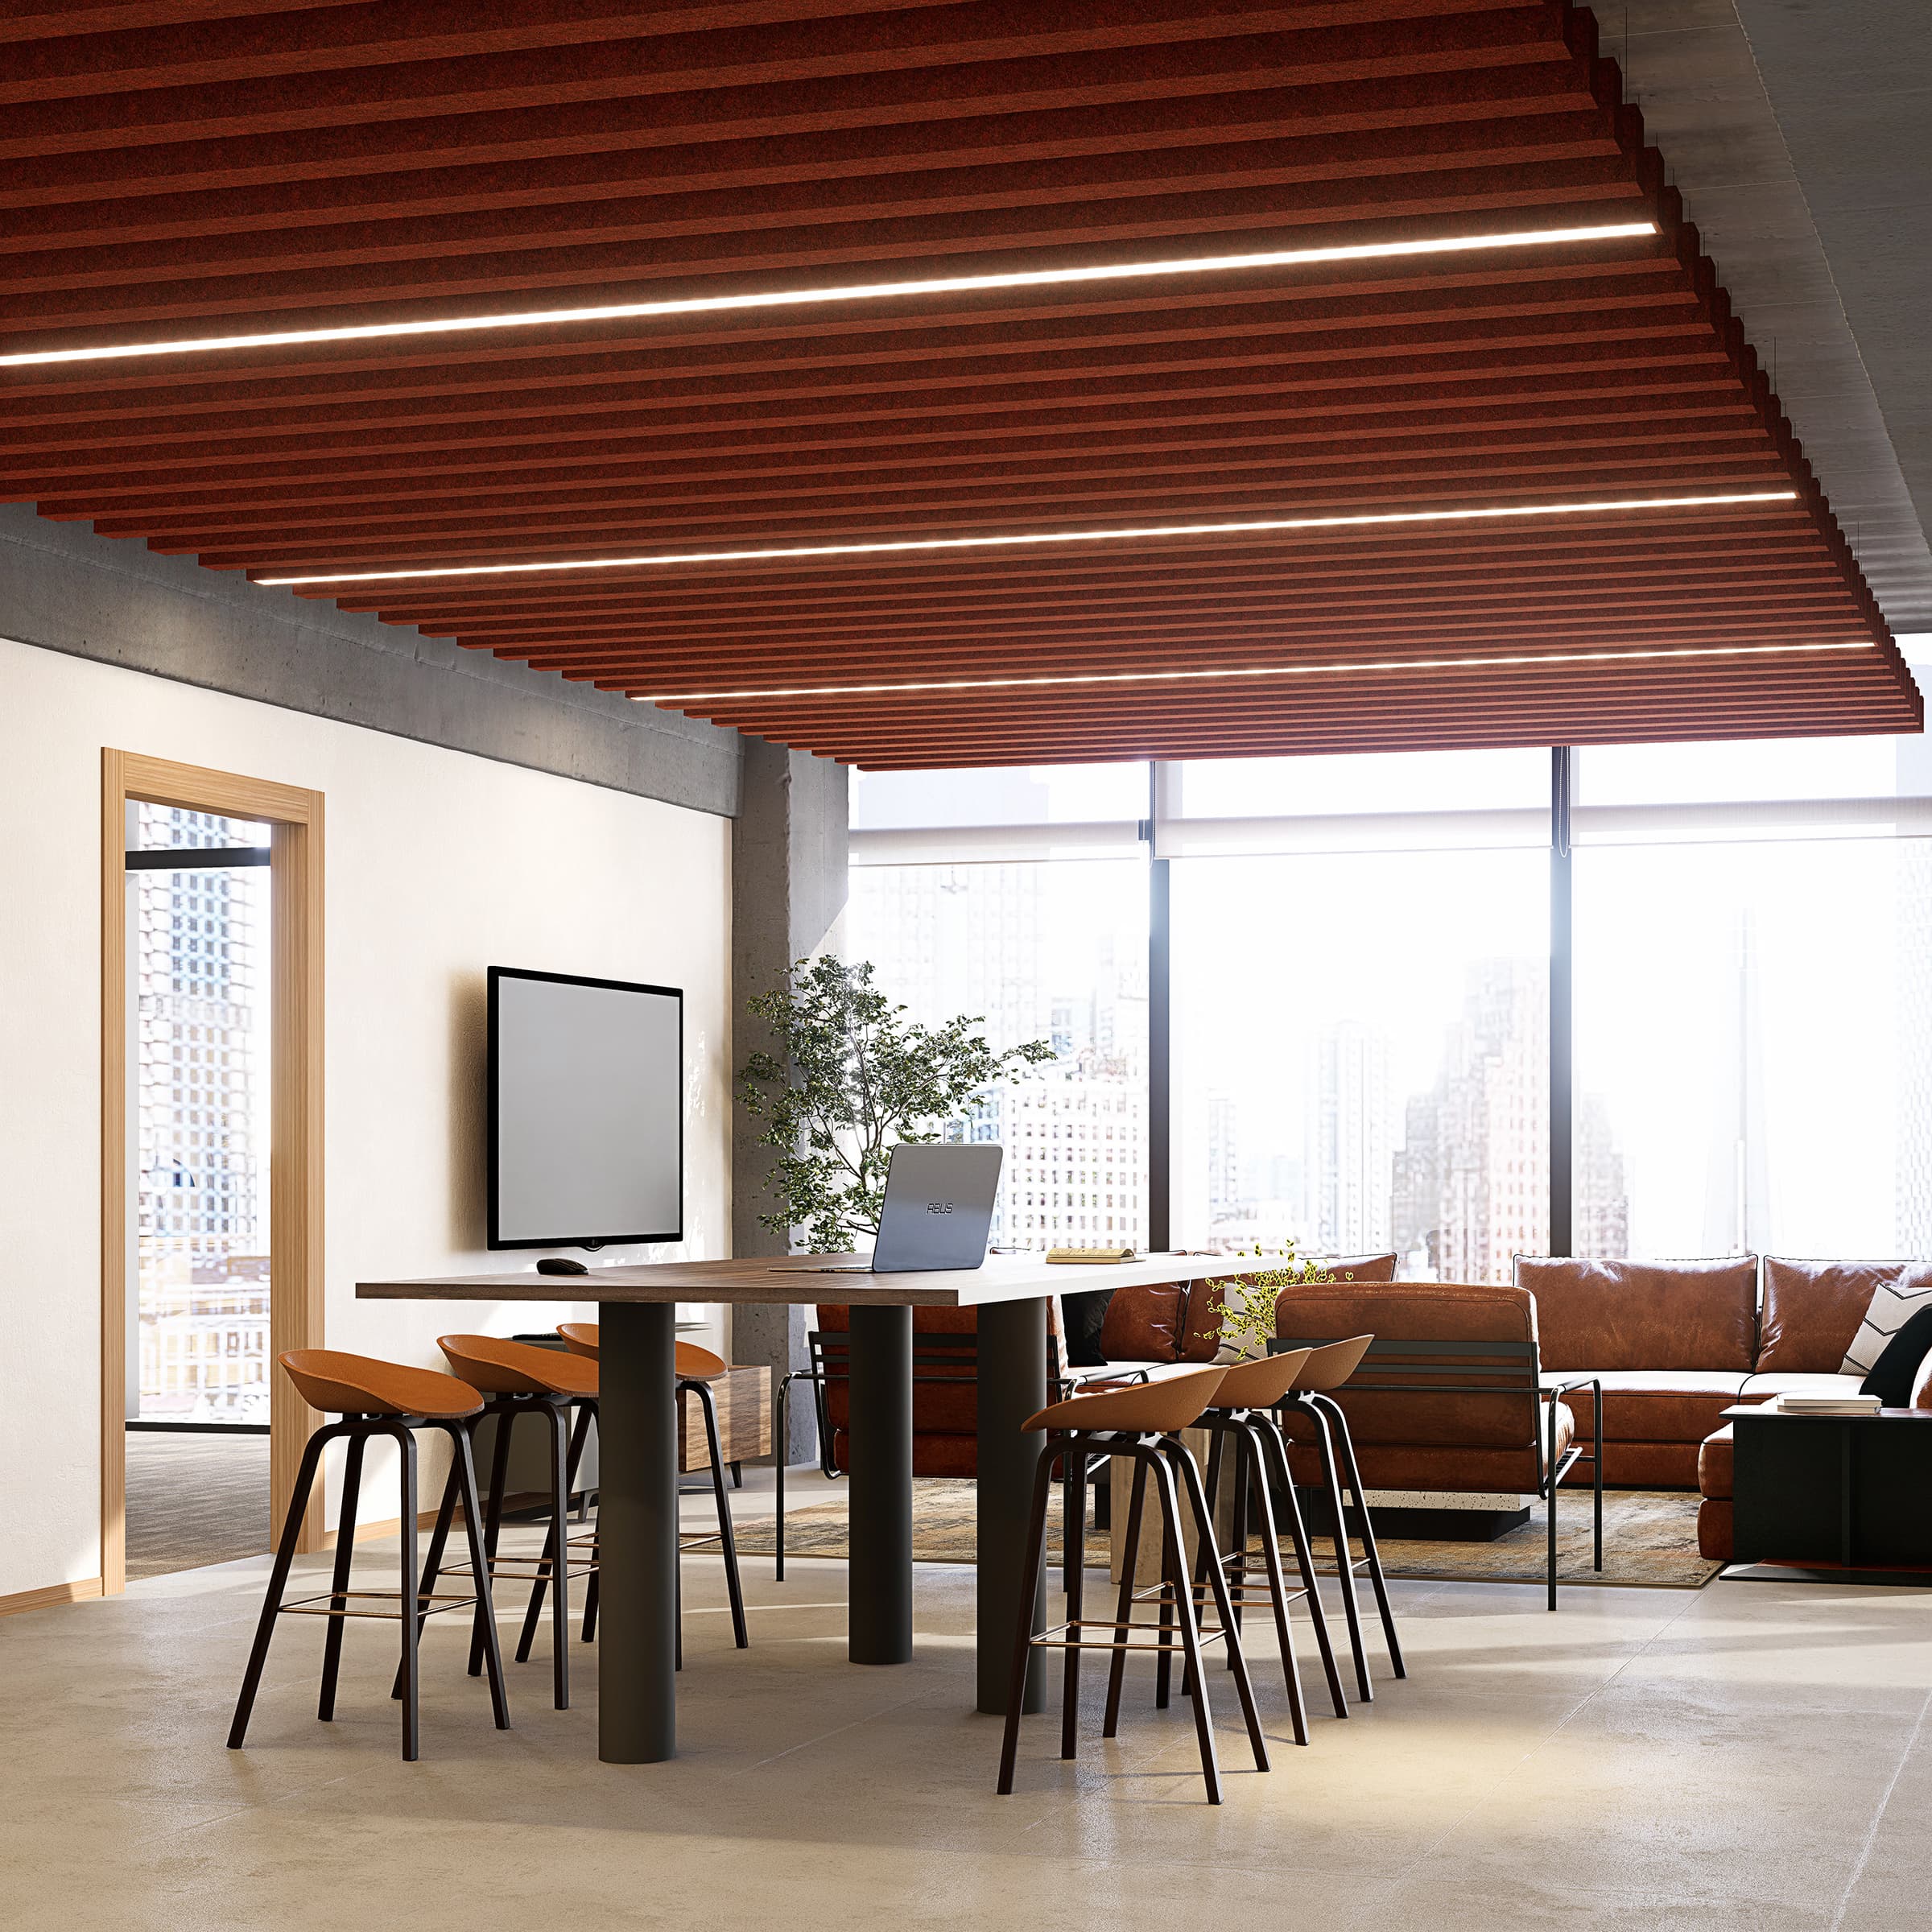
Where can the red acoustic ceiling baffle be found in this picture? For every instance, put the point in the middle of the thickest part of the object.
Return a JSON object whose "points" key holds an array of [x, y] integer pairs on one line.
{"points": [[175, 171]]}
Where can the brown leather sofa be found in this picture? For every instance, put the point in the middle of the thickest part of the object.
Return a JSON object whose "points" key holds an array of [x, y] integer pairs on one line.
{"points": [[1675, 1343]]}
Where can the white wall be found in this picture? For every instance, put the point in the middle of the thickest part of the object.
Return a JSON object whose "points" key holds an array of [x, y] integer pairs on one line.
{"points": [[439, 864]]}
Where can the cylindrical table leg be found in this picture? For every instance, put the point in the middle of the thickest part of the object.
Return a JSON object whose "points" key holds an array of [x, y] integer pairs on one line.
{"points": [[879, 1617], [638, 1535], [1012, 1387]]}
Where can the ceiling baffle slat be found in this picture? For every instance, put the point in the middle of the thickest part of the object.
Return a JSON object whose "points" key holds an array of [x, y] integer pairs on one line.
{"points": [[187, 169]]}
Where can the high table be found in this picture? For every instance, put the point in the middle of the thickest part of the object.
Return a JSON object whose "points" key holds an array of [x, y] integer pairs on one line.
{"points": [[638, 1521]]}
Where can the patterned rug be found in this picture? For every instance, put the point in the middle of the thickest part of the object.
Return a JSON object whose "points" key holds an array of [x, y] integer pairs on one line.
{"points": [[194, 1498], [1649, 1540]]}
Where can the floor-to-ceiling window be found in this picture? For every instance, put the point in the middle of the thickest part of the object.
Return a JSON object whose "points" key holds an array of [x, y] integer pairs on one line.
{"points": [[1753, 961], [1360, 1005], [1360, 950], [1045, 941]]}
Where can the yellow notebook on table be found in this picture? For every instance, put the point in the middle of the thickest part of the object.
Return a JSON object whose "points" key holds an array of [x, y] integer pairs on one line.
{"points": [[1100, 1256]]}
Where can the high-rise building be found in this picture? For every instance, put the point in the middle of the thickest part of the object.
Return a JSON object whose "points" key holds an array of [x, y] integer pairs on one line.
{"points": [[201, 954], [1224, 1198], [1350, 1136], [1471, 1187], [973, 939]]}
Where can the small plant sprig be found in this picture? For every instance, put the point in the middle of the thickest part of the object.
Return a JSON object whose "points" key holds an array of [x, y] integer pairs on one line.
{"points": [[1248, 1299]]}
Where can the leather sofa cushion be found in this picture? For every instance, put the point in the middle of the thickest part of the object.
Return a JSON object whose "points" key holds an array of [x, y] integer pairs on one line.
{"points": [[1715, 1457], [955, 1455], [1643, 1466], [1644, 1314], [1656, 1405], [1203, 1335], [1145, 1324], [944, 1401], [1760, 1388], [1813, 1308]]}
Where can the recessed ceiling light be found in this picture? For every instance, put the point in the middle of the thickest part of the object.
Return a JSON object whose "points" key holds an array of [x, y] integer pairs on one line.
{"points": [[868, 291], [1251, 672], [900, 545]]}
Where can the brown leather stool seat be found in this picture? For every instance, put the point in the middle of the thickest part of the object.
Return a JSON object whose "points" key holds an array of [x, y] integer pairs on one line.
{"points": [[1141, 1422], [374, 1398]]}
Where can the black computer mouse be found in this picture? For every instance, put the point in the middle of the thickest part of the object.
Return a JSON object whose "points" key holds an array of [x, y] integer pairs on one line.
{"points": [[560, 1264]]}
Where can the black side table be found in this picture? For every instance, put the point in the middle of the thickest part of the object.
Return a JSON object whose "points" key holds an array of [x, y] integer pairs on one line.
{"points": [[1852, 1492]]}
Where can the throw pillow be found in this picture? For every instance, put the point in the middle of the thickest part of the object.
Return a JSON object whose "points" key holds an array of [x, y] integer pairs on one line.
{"points": [[1897, 1368], [1891, 1307]]}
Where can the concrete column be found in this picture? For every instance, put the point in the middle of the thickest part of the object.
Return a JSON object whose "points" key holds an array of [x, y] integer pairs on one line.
{"points": [[788, 856]]}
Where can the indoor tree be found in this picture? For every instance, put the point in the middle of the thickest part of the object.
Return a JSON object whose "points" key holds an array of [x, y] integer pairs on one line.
{"points": [[851, 1078]]}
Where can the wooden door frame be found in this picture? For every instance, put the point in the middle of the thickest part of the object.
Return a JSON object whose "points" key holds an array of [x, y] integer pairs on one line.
{"points": [[295, 1297]]}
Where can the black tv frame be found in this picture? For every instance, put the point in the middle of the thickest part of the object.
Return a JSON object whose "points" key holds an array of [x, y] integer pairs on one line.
{"points": [[591, 1242]]}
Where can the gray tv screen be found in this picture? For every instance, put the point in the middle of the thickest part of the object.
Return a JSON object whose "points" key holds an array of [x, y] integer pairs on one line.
{"points": [[586, 1111]]}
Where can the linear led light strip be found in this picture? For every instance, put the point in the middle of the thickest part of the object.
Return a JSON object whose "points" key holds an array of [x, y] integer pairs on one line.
{"points": [[1251, 672], [865, 292], [902, 544]]}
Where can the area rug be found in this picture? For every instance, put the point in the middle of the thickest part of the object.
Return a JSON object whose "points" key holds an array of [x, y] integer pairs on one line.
{"points": [[1649, 1540]]}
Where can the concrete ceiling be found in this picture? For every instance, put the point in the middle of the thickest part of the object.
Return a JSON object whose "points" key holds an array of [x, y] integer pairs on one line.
{"points": [[1797, 131]]}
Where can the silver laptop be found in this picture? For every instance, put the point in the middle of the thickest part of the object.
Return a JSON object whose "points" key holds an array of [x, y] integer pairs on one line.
{"points": [[938, 1212]]}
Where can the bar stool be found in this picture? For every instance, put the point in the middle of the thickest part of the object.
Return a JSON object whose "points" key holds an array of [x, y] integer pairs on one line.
{"points": [[519, 1379], [379, 1398], [1241, 1422], [1141, 1422], [1327, 1369], [695, 1369]]}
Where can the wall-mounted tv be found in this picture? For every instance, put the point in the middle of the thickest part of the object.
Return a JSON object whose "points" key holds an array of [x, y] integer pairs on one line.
{"points": [[586, 1127]]}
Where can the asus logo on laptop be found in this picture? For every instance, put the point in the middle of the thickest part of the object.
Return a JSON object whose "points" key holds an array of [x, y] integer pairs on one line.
{"points": [[938, 1207]]}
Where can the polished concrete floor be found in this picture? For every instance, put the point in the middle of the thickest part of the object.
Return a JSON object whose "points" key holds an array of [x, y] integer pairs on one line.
{"points": [[1750, 1756]]}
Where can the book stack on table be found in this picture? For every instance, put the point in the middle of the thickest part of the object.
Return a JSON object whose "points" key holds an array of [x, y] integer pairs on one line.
{"points": [[1852, 1404]]}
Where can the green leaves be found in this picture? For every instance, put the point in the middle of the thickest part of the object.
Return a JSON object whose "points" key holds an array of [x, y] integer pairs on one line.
{"points": [[854, 1078], [1247, 1300]]}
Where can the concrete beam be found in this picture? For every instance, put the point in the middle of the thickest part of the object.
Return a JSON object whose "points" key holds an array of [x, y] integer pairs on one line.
{"points": [[63, 588], [1787, 128], [788, 887]]}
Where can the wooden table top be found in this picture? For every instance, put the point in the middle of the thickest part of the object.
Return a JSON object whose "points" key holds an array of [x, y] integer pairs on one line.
{"points": [[805, 1278]]}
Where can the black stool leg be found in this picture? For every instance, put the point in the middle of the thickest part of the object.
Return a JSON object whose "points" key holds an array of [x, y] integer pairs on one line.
{"points": [[432, 1564], [1275, 1446], [1171, 1565], [1179, 1588], [1179, 1456], [1344, 1553], [1217, 1437], [465, 1470], [560, 1519], [1123, 1612], [1022, 1642], [411, 1595], [533, 1611], [1333, 1409], [338, 1600], [277, 1582], [734, 1587], [493, 1509], [1073, 1531], [1278, 1583]]}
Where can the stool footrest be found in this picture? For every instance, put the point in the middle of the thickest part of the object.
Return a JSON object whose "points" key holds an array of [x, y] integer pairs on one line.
{"points": [[325, 1604]]}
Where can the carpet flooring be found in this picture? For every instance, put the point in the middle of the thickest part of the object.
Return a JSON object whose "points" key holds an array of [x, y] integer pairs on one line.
{"points": [[1649, 1540], [193, 1500]]}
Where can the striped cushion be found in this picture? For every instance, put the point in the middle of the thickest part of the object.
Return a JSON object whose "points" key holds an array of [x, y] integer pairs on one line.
{"points": [[1891, 1308]]}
